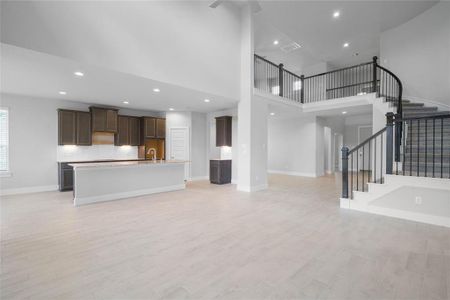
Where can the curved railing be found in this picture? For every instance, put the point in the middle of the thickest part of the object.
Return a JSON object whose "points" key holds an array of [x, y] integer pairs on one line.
{"points": [[356, 80]]}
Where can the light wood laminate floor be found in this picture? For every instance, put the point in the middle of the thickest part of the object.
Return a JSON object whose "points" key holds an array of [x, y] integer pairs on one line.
{"points": [[289, 242]]}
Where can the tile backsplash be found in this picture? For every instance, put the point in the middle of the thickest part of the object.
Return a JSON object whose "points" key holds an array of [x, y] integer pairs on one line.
{"points": [[95, 152]]}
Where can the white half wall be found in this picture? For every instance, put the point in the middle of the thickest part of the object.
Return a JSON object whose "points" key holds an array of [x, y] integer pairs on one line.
{"points": [[418, 52]]}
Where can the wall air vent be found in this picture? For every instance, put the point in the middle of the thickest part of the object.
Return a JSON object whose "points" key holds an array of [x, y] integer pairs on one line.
{"points": [[290, 47]]}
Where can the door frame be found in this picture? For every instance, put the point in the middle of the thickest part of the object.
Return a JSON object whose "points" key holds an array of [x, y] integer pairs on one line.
{"points": [[187, 166]]}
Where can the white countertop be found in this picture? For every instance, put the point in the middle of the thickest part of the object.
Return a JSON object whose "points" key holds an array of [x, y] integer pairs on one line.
{"points": [[126, 163]]}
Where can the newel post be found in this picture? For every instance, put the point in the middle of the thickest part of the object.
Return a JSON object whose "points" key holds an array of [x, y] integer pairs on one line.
{"points": [[389, 142], [344, 172], [280, 79], [302, 89], [374, 74]]}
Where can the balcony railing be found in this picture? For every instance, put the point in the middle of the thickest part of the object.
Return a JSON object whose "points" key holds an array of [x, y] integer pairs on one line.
{"points": [[351, 81]]}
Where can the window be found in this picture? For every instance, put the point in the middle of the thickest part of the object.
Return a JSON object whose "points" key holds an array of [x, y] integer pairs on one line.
{"points": [[4, 140]]}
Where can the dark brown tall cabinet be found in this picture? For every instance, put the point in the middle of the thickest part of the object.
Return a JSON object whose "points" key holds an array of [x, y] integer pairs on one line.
{"points": [[223, 131], [127, 131], [74, 128], [104, 119]]}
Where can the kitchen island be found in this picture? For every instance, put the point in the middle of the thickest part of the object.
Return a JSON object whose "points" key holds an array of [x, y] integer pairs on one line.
{"points": [[104, 181]]}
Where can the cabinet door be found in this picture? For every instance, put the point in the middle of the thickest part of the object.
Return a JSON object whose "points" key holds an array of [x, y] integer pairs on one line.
{"points": [[66, 127], [149, 127], [161, 128], [98, 119], [84, 129], [134, 131], [66, 179], [214, 171], [111, 120], [122, 137], [223, 131]]}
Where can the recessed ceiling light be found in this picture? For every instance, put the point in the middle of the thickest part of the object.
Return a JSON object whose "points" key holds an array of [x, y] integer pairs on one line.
{"points": [[171, 109], [346, 45], [62, 93], [79, 74], [125, 102], [344, 112], [275, 42], [156, 90], [336, 14], [206, 100], [272, 113]]}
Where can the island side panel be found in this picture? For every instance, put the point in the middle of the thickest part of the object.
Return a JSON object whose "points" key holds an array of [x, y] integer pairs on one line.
{"points": [[97, 184]]}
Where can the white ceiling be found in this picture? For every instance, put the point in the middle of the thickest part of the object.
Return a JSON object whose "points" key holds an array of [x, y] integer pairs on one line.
{"points": [[36, 74], [310, 24]]}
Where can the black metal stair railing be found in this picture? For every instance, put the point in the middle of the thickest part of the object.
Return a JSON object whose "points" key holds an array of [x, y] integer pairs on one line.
{"points": [[424, 151]]}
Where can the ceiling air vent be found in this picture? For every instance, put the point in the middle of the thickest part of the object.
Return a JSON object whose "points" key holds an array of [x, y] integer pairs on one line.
{"points": [[290, 47]]}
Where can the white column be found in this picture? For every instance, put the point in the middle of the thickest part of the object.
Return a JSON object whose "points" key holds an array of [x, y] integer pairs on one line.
{"points": [[252, 117]]}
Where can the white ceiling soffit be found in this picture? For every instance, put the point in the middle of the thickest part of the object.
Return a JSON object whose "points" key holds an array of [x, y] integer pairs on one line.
{"points": [[311, 24], [31, 73]]}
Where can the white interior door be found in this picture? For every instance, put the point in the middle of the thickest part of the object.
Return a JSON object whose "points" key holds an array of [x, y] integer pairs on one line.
{"points": [[179, 147]]}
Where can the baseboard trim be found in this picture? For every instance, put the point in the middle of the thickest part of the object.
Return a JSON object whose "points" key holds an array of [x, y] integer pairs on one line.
{"points": [[77, 201], [29, 190], [292, 173], [198, 178]]}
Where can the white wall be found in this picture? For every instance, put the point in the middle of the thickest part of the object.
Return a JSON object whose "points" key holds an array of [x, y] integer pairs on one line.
{"points": [[34, 139], [184, 43], [200, 167], [292, 145], [418, 52]]}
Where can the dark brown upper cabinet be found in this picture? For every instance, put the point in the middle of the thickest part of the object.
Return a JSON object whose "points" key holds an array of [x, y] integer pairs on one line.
{"points": [[74, 128], [223, 131], [67, 126], [84, 132], [127, 131], [104, 119], [148, 128], [134, 131], [122, 137], [161, 128]]}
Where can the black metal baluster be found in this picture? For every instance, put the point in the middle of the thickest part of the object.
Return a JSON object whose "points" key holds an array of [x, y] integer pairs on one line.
{"points": [[442, 145], [426, 146], [418, 146], [434, 143], [369, 175], [357, 170], [410, 148], [363, 158], [404, 148], [375, 160], [381, 151], [351, 179]]}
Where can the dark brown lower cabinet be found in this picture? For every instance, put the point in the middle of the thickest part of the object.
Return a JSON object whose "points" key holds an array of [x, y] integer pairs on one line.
{"points": [[65, 177], [220, 171]]}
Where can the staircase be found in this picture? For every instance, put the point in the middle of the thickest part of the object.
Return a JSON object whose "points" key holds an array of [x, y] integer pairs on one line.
{"points": [[426, 149]]}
